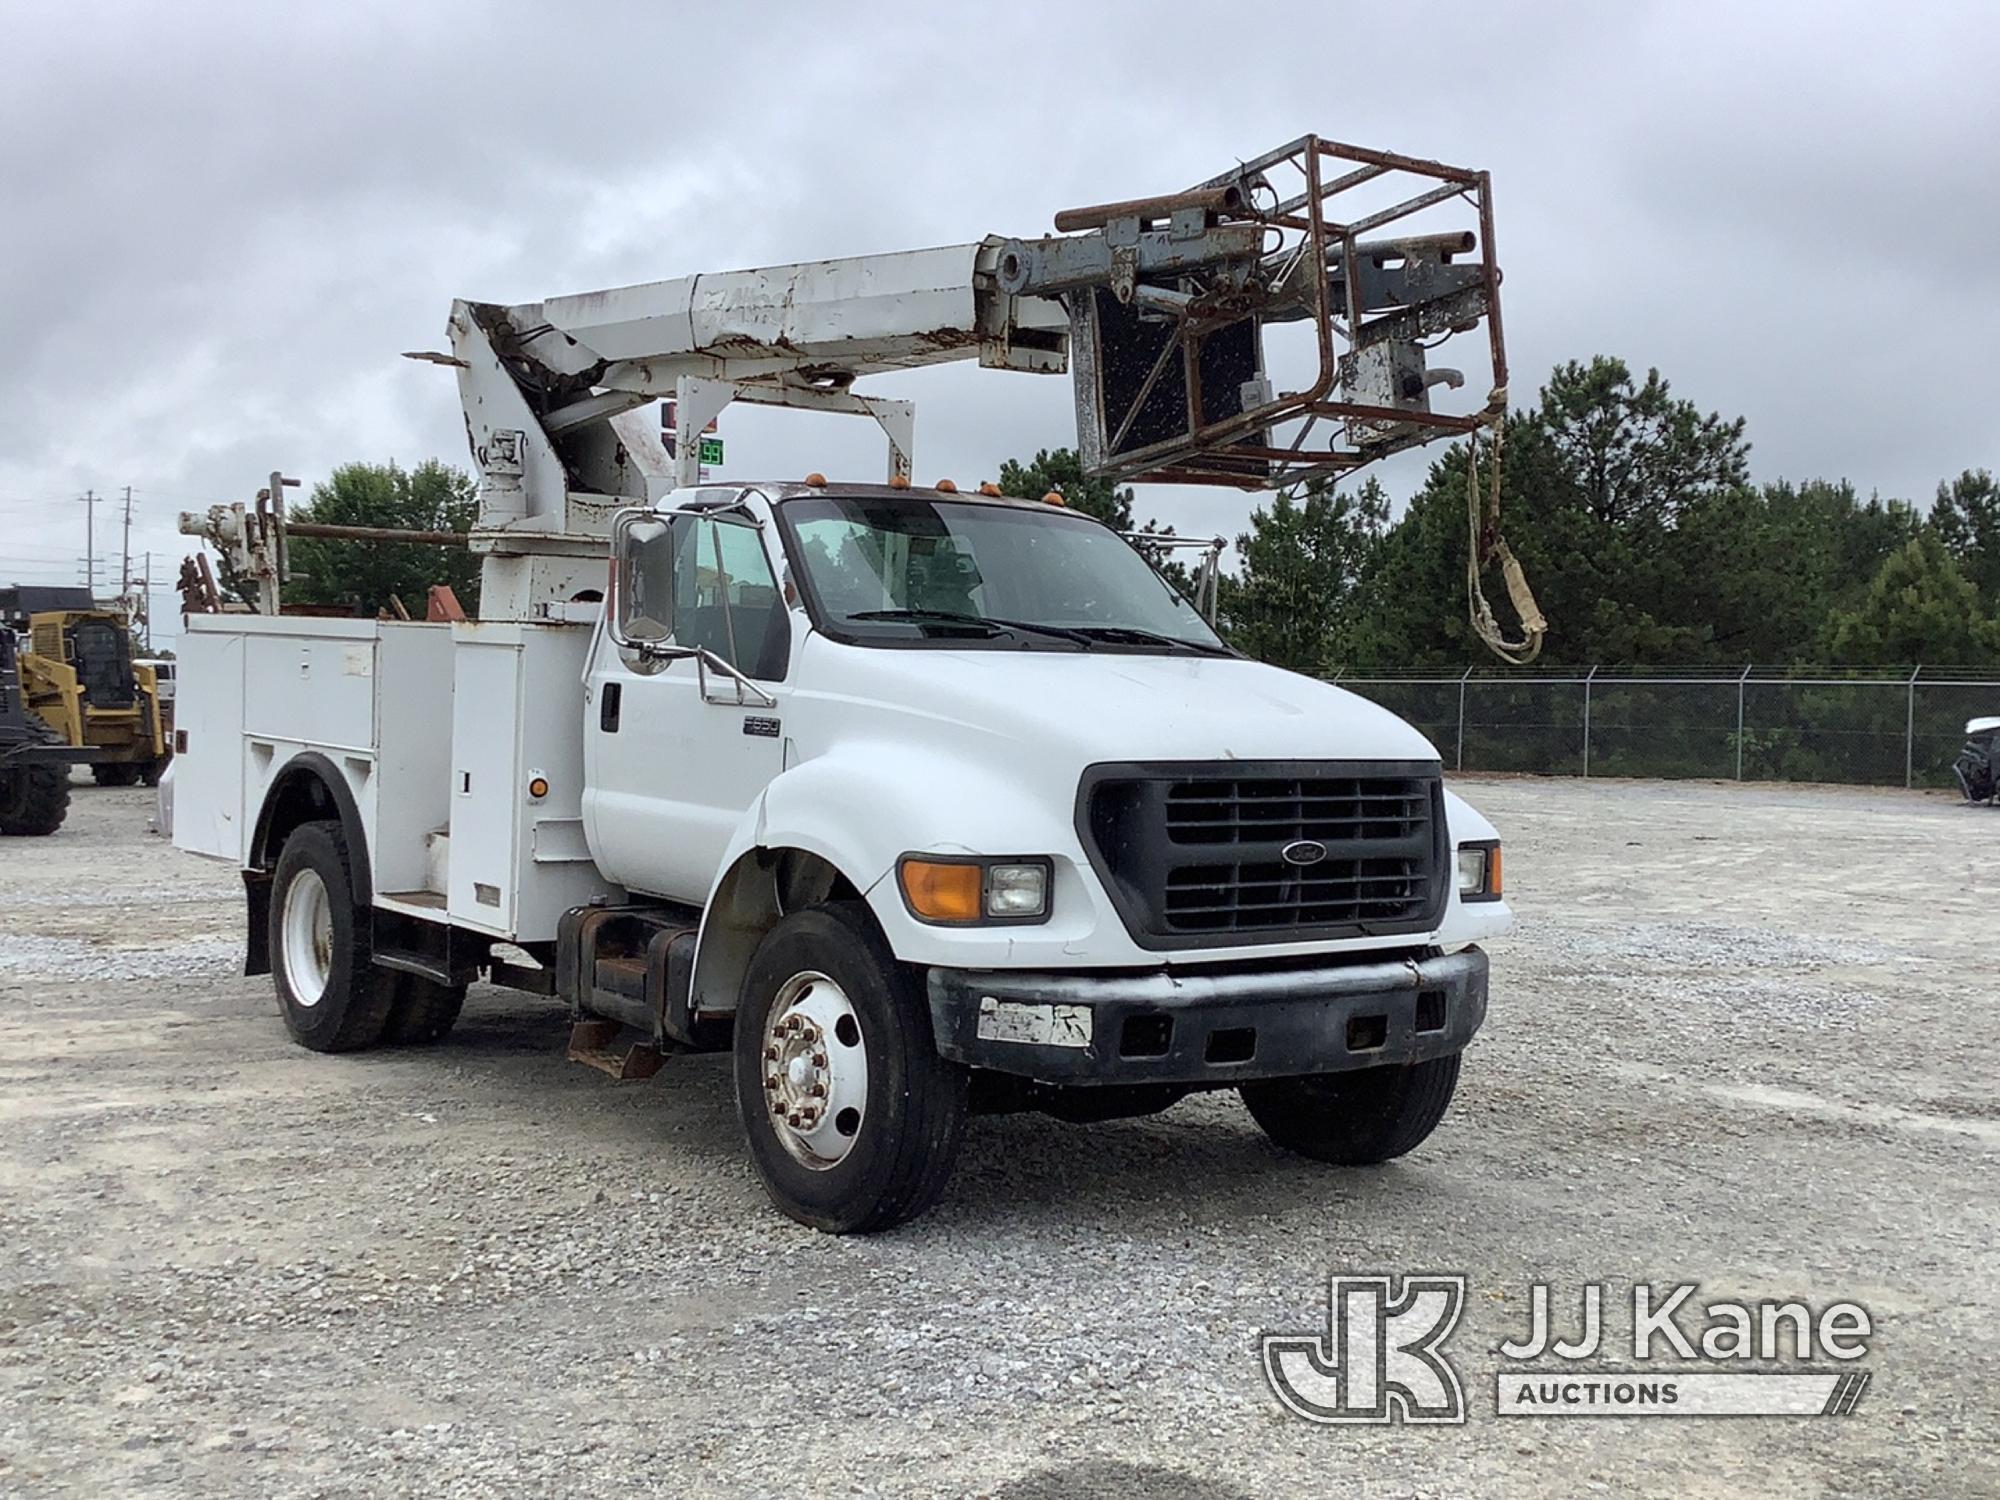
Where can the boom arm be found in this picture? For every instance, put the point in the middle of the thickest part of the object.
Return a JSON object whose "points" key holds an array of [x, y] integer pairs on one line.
{"points": [[1162, 303], [1161, 306]]}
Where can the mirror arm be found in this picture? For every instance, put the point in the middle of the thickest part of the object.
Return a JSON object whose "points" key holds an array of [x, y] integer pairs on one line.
{"points": [[706, 659]]}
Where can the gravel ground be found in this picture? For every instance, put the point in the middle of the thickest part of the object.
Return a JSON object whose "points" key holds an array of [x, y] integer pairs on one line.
{"points": [[1738, 1037]]}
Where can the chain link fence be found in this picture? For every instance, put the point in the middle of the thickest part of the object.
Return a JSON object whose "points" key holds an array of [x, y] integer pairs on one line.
{"points": [[1894, 727]]}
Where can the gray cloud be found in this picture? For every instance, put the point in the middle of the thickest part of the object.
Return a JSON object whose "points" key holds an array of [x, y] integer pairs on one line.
{"points": [[224, 222]]}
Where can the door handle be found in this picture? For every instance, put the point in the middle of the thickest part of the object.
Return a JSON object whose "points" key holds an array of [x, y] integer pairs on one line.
{"points": [[608, 705]]}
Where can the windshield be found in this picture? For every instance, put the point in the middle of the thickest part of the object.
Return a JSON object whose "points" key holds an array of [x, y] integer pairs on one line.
{"points": [[893, 570]]}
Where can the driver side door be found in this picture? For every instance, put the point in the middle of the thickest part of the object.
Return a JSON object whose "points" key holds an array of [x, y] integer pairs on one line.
{"points": [[676, 752]]}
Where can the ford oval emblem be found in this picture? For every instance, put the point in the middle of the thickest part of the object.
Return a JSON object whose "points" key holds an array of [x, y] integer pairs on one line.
{"points": [[1303, 852]]}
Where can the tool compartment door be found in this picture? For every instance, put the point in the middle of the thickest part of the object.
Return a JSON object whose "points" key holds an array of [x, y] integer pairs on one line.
{"points": [[517, 854], [317, 689], [208, 775]]}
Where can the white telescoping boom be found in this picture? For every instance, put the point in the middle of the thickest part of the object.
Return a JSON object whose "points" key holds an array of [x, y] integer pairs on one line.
{"points": [[1160, 306], [550, 388]]}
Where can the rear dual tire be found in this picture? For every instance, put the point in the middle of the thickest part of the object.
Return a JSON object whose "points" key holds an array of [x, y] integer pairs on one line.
{"points": [[424, 1011], [331, 994]]}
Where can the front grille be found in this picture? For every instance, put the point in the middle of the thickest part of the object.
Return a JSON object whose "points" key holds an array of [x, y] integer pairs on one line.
{"points": [[1329, 810], [1196, 855]]}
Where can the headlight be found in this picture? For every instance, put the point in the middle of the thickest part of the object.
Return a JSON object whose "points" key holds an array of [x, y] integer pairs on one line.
{"points": [[1479, 872], [964, 892], [1017, 890]]}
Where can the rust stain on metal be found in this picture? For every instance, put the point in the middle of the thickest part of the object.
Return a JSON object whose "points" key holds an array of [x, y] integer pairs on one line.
{"points": [[1225, 198]]}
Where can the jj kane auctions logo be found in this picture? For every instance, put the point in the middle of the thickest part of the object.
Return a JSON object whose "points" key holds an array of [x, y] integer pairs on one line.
{"points": [[1381, 1357]]}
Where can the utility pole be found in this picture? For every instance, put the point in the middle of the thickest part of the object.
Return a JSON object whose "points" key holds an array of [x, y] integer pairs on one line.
{"points": [[125, 577], [149, 597], [89, 501]]}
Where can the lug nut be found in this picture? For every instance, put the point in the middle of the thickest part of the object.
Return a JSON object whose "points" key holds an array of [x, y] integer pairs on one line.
{"points": [[770, 1083], [777, 1106], [819, 1059], [771, 1054], [818, 1091]]}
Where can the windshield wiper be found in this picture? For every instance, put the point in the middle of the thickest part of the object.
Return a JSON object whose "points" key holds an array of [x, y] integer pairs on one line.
{"points": [[1136, 636], [992, 625]]}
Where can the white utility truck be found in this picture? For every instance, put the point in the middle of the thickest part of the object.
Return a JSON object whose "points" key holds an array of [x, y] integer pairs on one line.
{"points": [[919, 802]]}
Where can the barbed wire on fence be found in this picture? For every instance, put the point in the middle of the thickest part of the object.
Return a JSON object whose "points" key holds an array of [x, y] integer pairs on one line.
{"points": [[1793, 722]]}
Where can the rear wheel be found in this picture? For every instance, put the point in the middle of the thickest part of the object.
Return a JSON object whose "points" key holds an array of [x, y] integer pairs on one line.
{"points": [[34, 799], [1358, 1118], [331, 995], [853, 1118], [116, 773], [423, 1010]]}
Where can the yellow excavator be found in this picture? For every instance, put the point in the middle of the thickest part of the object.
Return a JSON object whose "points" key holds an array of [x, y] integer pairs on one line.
{"points": [[78, 676]]}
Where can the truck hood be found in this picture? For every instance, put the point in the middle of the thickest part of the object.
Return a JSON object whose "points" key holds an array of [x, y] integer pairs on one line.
{"points": [[1109, 706]]}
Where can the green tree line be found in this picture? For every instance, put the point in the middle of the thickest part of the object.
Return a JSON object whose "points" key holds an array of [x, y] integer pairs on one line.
{"points": [[1630, 507], [1646, 542], [366, 576]]}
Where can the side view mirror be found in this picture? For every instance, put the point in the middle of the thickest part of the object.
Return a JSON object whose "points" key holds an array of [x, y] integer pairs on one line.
{"points": [[643, 592], [645, 547]]}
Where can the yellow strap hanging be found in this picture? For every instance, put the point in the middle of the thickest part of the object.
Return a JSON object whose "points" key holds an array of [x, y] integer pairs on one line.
{"points": [[1533, 625]]}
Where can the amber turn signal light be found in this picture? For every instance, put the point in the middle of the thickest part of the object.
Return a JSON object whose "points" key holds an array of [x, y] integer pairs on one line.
{"points": [[942, 892]]}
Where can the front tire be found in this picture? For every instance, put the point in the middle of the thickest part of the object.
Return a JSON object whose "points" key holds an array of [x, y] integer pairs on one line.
{"points": [[331, 995], [115, 773], [1355, 1119], [854, 1120]]}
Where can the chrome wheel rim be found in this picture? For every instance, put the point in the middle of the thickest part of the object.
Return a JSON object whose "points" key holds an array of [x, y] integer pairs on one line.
{"points": [[308, 938], [814, 1070]]}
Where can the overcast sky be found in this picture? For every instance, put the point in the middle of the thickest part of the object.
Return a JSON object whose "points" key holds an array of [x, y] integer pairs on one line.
{"points": [[223, 223]]}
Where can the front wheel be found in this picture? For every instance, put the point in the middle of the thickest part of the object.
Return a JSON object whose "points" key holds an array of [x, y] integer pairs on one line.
{"points": [[115, 773], [331, 995], [1355, 1119], [853, 1118]]}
